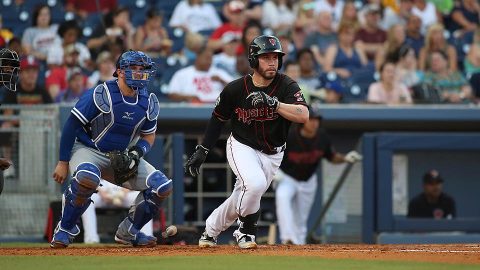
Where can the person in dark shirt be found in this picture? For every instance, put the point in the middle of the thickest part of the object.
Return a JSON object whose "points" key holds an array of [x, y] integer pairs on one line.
{"points": [[296, 181], [432, 202]]}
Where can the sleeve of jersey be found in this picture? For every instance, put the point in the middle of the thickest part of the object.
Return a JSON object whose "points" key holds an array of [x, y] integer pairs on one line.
{"points": [[294, 95], [85, 109], [223, 106], [149, 127]]}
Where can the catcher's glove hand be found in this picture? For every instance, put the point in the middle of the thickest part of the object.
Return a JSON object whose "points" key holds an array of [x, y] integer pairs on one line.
{"points": [[124, 164], [260, 99], [193, 164]]}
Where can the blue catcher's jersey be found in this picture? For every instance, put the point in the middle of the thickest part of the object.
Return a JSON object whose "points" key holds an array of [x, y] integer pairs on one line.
{"points": [[112, 121]]}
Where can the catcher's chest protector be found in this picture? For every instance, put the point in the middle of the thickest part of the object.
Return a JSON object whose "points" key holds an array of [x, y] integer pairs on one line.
{"points": [[119, 121]]}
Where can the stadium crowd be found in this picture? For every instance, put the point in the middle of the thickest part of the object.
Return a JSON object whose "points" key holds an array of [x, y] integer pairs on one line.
{"points": [[371, 51]]}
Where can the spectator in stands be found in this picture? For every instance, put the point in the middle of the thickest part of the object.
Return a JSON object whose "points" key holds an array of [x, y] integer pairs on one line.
{"points": [[407, 71], [56, 77], [333, 92], [432, 202], [288, 45], [309, 75], [350, 14], [397, 15], [305, 22], [345, 58], [322, 38], [195, 16], [278, 14], [117, 30], [200, 82], [104, 72], [242, 66], [15, 44], [232, 28], [435, 42], [253, 10], [251, 30], [76, 87], [390, 51], [292, 70], [453, 86], [471, 63], [227, 59], [334, 7], [42, 35], [69, 33], [28, 93], [388, 90], [427, 12], [414, 37], [152, 38], [108, 196], [82, 8], [370, 37], [465, 15]]}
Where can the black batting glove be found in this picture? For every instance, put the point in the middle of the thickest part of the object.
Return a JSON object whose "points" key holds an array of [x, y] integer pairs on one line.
{"points": [[260, 99], [193, 164]]}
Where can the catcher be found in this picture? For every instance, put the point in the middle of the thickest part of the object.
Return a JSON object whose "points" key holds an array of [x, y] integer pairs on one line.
{"points": [[108, 132]]}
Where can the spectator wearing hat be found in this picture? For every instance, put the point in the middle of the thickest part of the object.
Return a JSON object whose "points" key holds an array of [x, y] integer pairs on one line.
{"points": [[28, 93], [69, 32], [76, 87], [370, 37], [334, 92], [432, 202], [388, 90], [105, 69], [152, 38], [227, 59], [232, 28]]}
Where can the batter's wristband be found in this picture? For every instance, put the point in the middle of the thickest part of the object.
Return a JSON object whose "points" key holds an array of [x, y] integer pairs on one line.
{"points": [[144, 146]]}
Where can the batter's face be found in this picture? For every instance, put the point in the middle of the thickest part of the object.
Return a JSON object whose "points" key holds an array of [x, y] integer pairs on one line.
{"points": [[267, 65]]}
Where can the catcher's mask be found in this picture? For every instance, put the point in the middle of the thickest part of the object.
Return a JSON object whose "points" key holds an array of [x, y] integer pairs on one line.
{"points": [[136, 79], [264, 44], [9, 68]]}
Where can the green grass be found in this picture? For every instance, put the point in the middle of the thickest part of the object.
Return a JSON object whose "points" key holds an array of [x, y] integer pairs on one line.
{"points": [[228, 262]]}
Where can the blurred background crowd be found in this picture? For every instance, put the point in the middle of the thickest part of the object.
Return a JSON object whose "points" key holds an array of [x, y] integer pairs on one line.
{"points": [[339, 51]]}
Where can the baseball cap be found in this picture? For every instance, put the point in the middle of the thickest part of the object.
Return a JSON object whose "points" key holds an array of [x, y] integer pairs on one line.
{"points": [[335, 86], [236, 6], [370, 8], [29, 62], [432, 176]]}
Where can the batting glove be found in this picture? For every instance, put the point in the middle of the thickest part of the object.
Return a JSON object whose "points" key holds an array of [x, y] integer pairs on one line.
{"points": [[353, 156], [193, 164]]}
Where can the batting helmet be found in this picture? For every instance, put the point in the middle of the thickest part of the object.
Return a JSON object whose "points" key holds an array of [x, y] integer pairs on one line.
{"points": [[264, 44], [9, 67], [135, 79]]}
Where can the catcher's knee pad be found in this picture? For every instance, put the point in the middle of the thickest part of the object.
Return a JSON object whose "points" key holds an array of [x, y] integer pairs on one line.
{"points": [[86, 180], [159, 184]]}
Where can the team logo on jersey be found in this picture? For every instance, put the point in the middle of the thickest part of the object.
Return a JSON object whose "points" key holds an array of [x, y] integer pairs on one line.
{"points": [[298, 95], [217, 101], [128, 115], [255, 114], [272, 41]]}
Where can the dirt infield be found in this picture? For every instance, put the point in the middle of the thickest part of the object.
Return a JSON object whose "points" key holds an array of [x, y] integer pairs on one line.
{"points": [[467, 254]]}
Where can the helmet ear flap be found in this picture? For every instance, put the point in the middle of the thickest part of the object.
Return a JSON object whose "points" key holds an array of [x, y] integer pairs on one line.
{"points": [[253, 61], [280, 61]]}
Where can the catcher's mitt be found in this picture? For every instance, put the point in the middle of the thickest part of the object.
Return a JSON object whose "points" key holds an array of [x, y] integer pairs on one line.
{"points": [[124, 165], [260, 99]]}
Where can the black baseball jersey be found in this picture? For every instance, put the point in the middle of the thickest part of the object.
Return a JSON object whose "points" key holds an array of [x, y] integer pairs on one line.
{"points": [[419, 207], [260, 128], [303, 154]]}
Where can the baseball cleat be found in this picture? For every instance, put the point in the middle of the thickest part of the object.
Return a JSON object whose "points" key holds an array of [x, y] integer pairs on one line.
{"points": [[245, 241], [62, 238], [138, 240], [207, 241]]}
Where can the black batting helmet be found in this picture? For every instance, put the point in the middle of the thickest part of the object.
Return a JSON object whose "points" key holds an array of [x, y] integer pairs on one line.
{"points": [[9, 67], [264, 44]]}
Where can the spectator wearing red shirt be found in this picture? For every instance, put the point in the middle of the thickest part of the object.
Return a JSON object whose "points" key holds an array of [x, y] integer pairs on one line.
{"points": [[233, 27], [82, 8]]}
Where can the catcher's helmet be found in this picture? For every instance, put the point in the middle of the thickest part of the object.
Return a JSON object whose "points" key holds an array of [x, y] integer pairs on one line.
{"points": [[9, 67], [135, 79], [264, 44]]}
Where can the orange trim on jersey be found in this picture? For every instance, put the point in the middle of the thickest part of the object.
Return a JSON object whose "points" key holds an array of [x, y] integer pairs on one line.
{"points": [[245, 84], [265, 136]]}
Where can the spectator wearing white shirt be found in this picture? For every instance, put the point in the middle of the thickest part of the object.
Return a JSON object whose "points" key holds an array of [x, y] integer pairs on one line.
{"points": [[335, 7], [195, 16], [199, 83]]}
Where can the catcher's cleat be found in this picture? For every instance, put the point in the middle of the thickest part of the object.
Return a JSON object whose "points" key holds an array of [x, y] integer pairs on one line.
{"points": [[245, 241], [138, 240], [207, 241], [62, 238]]}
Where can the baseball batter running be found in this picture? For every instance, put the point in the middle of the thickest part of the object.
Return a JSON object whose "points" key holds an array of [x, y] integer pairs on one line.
{"points": [[108, 132], [261, 106], [296, 181]]}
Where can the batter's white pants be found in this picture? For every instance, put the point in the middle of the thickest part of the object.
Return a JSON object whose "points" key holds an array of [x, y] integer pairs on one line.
{"points": [[89, 217], [254, 171], [294, 200]]}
